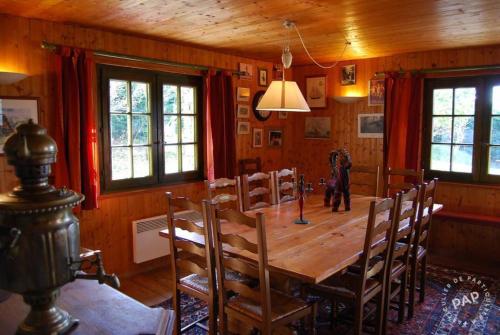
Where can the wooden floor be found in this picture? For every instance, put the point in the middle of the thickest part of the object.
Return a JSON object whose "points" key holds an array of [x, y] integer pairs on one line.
{"points": [[150, 288], [155, 286]]}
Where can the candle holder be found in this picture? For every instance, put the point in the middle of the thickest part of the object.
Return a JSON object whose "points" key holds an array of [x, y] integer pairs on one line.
{"points": [[302, 189]]}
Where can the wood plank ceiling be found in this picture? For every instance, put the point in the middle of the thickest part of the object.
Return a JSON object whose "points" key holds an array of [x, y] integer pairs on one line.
{"points": [[254, 27]]}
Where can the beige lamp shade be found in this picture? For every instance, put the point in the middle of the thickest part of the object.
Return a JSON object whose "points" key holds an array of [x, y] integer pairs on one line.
{"points": [[283, 96], [7, 78]]}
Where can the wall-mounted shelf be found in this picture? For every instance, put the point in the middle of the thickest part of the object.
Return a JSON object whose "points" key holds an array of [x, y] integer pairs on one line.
{"points": [[347, 100]]}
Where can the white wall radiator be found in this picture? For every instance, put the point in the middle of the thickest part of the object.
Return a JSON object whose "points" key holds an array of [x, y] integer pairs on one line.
{"points": [[148, 244]]}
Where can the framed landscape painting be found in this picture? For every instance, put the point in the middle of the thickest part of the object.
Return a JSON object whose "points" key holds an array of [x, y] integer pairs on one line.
{"points": [[317, 127], [13, 112], [316, 91], [371, 125]]}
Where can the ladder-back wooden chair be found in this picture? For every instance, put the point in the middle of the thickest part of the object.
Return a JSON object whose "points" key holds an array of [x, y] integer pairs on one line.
{"points": [[365, 177], [397, 276], [258, 190], [420, 243], [285, 185], [192, 259], [396, 180], [258, 306], [250, 165], [366, 279], [225, 192]]}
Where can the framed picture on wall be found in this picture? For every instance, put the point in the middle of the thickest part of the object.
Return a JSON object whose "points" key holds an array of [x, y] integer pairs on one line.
{"points": [[243, 128], [243, 111], [243, 94], [348, 75], [246, 71], [318, 127], [13, 112], [275, 137], [316, 91], [262, 77], [371, 125], [376, 92], [257, 137]]}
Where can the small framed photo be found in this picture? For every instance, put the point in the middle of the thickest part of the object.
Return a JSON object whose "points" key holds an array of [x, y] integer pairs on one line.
{"points": [[275, 138], [371, 125], [262, 77], [243, 127], [348, 75], [318, 127], [376, 92], [243, 111], [246, 71], [282, 115], [13, 112], [316, 91], [257, 137], [243, 94]]}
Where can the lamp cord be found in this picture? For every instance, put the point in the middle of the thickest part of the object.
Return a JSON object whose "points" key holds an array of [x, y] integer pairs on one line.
{"points": [[347, 43]]}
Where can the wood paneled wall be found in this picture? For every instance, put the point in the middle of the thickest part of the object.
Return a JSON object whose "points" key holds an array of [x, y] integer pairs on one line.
{"points": [[109, 227]]}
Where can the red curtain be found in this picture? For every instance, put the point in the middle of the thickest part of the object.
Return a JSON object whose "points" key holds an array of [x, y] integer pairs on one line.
{"points": [[220, 124], [402, 115], [75, 127]]}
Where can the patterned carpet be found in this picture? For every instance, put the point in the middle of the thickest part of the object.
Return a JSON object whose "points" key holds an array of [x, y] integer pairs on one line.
{"points": [[456, 303]]}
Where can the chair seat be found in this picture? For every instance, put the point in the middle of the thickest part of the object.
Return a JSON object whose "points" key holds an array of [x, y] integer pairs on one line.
{"points": [[196, 282], [345, 285], [282, 306]]}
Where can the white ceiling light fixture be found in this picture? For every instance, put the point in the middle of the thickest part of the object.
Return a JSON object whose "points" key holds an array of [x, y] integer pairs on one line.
{"points": [[283, 95]]}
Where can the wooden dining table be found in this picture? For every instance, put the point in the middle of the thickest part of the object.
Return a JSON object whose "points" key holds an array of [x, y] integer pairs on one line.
{"points": [[311, 252]]}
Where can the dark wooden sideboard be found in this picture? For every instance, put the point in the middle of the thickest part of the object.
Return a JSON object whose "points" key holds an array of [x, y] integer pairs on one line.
{"points": [[100, 308]]}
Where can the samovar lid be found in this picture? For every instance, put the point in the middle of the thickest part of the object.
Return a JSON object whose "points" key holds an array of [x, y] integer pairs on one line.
{"points": [[32, 151]]}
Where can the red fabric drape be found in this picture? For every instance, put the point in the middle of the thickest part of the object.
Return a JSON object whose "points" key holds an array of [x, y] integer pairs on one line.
{"points": [[402, 115], [220, 122], [75, 127]]}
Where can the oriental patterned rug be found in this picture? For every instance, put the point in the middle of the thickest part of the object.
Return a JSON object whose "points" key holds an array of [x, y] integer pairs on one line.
{"points": [[456, 303]]}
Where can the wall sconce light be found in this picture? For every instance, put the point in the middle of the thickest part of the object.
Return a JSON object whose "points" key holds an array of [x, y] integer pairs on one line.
{"points": [[8, 78]]}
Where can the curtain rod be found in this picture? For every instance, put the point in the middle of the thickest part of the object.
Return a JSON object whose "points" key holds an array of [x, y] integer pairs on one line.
{"points": [[52, 47], [444, 70]]}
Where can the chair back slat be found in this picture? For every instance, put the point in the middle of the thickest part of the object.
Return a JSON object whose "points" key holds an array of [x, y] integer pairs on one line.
{"points": [[189, 226], [258, 190], [258, 270], [396, 179], [191, 267], [363, 177], [424, 216], [239, 242], [225, 191], [285, 185], [190, 248]]}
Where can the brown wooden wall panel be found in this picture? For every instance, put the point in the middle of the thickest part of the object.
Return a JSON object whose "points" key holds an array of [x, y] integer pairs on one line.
{"points": [[109, 228]]}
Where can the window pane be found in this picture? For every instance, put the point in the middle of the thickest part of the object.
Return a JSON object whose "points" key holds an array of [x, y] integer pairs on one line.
{"points": [[495, 130], [188, 160], [119, 129], [121, 163], [171, 159], [140, 129], [170, 129], [140, 97], [441, 129], [494, 161], [187, 100], [142, 161], [465, 101], [442, 102], [187, 123], [118, 96], [496, 100], [463, 130], [440, 157], [169, 99], [462, 158]]}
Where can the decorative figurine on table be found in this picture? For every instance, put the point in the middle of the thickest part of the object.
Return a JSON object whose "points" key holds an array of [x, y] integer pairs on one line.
{"points": [[302, 189], [338, 185]]}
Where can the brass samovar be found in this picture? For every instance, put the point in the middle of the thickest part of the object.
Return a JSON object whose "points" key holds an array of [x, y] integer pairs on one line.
{"points": [[40, 235]]}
